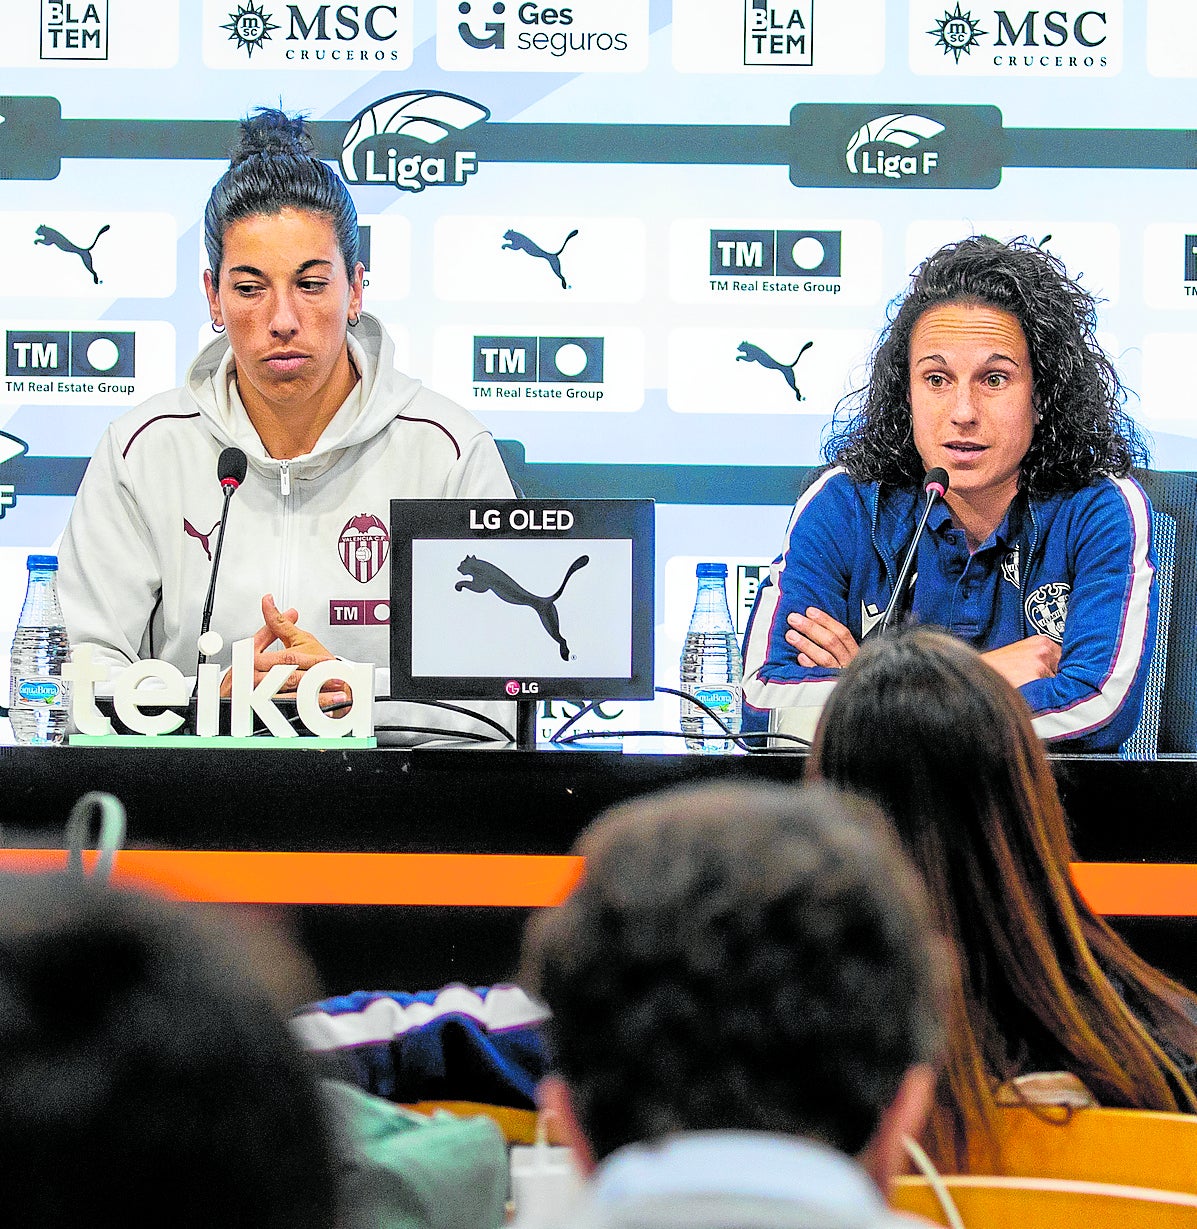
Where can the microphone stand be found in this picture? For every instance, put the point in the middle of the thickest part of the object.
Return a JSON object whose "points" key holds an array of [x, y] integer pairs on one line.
{"points": [[206, 620], [934, 488]]}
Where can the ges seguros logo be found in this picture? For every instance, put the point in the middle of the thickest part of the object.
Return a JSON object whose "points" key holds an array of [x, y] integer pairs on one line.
{"points": [[555, 30]]}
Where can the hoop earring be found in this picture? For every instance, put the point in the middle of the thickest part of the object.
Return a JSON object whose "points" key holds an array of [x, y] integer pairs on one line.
{"points": [[355, 321], [217, 328]]}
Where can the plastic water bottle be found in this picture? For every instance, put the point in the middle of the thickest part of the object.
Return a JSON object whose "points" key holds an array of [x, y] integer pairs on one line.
{"points": [[711, 665], [38, 698]]}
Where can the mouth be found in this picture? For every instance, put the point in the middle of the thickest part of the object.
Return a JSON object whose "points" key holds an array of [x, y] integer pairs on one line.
{"points": [[964, 450], [286, 361]]}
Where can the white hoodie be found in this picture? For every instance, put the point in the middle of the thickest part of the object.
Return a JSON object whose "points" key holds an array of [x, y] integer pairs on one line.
{"points": [[314, 531]]}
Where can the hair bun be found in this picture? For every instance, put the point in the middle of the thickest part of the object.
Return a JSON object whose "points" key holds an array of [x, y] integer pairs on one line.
{"points": [[271, 133]]}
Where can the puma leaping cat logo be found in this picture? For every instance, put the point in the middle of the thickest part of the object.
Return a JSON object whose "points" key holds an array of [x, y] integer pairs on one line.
{"points": [[202, 538], [521, 243], [484, 575], [754, 354], [49, 237]]}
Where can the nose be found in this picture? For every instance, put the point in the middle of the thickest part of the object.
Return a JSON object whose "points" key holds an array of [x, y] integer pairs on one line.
{"points": [[964, 408], [284, 320]]}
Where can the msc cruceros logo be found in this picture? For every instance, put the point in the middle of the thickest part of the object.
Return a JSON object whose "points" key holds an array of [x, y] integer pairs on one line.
{"points": [[384, 143]]}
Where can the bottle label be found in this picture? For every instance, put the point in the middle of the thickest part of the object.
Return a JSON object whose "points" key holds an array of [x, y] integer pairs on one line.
{"points": [[721, 699], [43, 692]]}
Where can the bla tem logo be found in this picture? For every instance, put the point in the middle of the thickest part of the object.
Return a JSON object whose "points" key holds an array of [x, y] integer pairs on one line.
{"points": [[74, 31]]}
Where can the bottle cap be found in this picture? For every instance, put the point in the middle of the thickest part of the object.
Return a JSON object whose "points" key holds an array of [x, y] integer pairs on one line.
{"points": [[42, 563], [711, 569]]}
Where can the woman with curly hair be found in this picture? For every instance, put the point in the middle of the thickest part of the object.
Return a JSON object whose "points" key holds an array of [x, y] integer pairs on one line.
{"points": [[1044, 984], [1039, 555]]}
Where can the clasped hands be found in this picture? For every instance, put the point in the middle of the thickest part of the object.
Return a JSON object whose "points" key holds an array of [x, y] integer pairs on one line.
{"points": [[300, 650], [823, 641]]}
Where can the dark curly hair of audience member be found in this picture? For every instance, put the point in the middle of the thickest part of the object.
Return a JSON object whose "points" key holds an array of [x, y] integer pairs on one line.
{"points": [[145, 1078], [1045, 984], [753, 958], [273, 168], [1083, 431]]}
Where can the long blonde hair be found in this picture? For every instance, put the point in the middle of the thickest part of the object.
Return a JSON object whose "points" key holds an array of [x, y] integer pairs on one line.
{"points": [[923, 726]]}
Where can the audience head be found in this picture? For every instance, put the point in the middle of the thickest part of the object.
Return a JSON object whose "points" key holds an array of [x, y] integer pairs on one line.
{"points": [[752, 958], [1082, 429], [921, 725], [273, 168], [145, 1079]]}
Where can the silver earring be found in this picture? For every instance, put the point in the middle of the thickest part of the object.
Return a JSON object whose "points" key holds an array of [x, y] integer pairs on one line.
{"points": [[217, 328]]}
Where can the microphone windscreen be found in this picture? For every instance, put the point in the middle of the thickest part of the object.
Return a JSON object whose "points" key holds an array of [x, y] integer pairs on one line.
{"points": [[937, 481], [231, 467]]}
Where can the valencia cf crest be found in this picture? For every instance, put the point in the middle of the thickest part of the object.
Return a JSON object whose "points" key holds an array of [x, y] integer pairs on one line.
{"points": [[1047, 608], [364, 545]]}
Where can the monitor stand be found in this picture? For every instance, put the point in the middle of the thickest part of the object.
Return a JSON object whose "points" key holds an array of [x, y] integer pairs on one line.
{"points": [[525, 724]]}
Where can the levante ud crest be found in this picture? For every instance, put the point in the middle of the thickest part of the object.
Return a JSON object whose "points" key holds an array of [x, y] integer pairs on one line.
{"points": [[1047, 608]]}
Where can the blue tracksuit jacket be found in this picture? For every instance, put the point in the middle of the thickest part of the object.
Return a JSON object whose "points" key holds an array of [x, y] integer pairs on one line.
{"points": [[1076, 567]]}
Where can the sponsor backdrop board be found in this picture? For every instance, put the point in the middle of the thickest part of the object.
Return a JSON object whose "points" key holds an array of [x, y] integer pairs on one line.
{"points": [[658, 234]]}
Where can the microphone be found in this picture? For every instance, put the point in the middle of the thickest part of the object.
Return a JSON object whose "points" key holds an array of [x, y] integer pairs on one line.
{"points": [[935, 486], [230, 470]]}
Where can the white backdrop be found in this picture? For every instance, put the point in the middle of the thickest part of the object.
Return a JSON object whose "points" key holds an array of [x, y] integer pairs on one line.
{"points": [[699, 209]]}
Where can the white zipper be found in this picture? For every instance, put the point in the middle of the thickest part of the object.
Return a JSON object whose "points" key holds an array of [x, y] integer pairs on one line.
{"points": [[284, 478]]}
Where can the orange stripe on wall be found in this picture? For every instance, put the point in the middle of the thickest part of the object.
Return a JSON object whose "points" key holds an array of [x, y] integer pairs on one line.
{"points": [[510, 880], [332, 878], [1138, 889]]}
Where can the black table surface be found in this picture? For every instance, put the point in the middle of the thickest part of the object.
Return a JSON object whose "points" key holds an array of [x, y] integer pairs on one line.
{"points": [[449, 800]]}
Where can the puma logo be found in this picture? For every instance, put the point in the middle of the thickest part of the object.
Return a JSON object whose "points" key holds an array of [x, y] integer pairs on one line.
{"points": [[521, 243], [202, 538], [483, 575], [754, 354], [49, 237]]}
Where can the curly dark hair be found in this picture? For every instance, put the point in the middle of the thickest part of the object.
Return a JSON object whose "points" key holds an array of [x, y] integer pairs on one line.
{"points": [[1083, 431], [274, 167], [751, 958]]}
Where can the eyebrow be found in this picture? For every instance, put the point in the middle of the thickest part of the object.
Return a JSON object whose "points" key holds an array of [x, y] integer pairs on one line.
{"points": [[995, 356], [255, 272]]}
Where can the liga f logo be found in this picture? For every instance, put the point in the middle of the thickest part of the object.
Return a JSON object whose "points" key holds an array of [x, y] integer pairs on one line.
{"points": [[364, 545]]}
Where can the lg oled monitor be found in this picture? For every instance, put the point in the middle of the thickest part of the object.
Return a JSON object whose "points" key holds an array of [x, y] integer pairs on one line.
{"points": [[522, 598]]}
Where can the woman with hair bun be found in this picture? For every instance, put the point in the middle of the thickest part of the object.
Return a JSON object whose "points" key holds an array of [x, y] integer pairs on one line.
{"points": [[1045, 984], [1040, 553], [301, 380]]}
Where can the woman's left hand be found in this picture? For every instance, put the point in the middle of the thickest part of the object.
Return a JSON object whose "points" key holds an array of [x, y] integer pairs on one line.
{"points": [[820, 639]]}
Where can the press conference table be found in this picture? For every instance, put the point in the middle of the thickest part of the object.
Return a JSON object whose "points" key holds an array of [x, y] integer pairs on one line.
{"points": [[410, 868]]}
